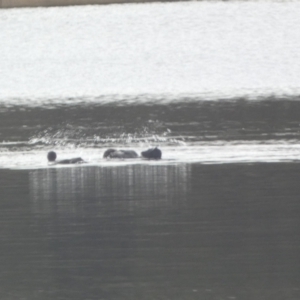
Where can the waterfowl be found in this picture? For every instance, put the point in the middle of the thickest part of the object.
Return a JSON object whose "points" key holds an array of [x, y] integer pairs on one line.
{"points": [[152, 153], [113, 153], [52, 158]]}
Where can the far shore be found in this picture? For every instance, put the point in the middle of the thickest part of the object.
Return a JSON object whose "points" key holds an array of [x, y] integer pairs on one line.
{"points": [[48, 3]]}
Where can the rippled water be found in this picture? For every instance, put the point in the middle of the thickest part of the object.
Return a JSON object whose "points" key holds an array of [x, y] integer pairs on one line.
{"points": [[215, 86], [187, 130]]}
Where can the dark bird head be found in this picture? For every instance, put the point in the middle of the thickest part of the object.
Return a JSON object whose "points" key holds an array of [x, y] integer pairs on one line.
{"points": [[51, 156]]}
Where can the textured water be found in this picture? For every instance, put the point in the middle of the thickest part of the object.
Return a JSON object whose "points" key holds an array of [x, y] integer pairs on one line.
{"points": [[215, 86], [187, 130]]}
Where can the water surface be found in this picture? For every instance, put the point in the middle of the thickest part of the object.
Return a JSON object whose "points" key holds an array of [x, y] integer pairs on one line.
{"points": [[215, 86], [143, 232]]}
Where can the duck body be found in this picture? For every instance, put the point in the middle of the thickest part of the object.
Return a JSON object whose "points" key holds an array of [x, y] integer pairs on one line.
{"points": [[152, 153], [52, 158], [113, 153], [76, 160]]}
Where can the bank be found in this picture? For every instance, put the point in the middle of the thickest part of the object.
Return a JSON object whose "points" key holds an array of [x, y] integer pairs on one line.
{"points": [[47, 3]]}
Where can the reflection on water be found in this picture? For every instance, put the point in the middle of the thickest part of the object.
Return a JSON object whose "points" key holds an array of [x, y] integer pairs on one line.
{"points": [[67, 190], [105, 226]]}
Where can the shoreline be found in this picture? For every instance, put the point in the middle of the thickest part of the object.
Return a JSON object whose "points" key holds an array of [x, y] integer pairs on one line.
{"points": [[4, 4]]}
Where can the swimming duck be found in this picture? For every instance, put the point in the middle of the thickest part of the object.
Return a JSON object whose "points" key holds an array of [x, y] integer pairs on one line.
{"points": [[113, 153], [52, 158], [152, 153]]}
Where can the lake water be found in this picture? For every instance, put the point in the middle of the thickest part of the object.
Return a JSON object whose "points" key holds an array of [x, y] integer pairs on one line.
{"points": [[215, 86]]}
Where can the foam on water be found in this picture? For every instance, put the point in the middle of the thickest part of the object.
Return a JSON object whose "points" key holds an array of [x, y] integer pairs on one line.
{"points": [[206, 153]]}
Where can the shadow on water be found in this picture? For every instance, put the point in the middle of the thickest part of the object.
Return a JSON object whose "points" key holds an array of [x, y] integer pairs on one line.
{"points": [[151, 232]]}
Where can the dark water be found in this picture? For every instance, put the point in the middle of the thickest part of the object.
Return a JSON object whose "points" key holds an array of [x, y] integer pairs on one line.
{"points": [[185, 118], [150, 231]]}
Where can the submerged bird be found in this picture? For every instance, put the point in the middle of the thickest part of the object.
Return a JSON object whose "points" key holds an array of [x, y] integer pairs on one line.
{"points": [[52, 158], [113, 153], [152, 153]]}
